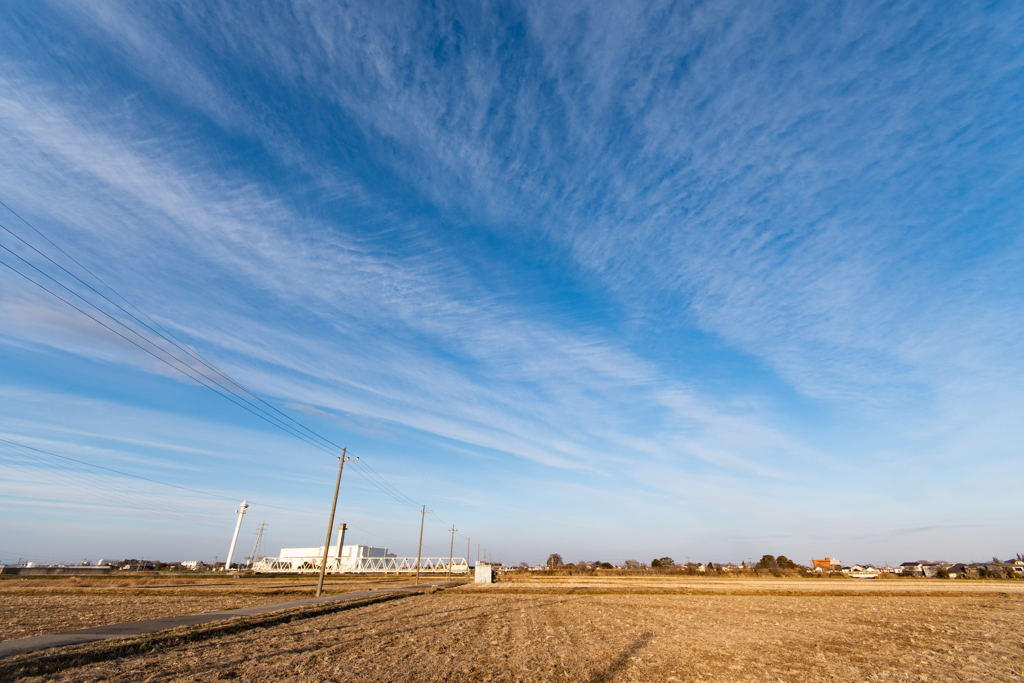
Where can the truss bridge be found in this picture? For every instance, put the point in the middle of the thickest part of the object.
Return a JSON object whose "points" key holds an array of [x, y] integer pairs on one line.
{"points": [[361, 565]]}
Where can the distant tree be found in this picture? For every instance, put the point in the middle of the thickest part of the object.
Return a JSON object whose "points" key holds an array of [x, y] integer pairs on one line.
{"points": [[711, 568], [666, 562], [768, 563], [632, 564], [943, 573], [554, 561], [784, 562], [523, 565], [655, 564], [606, 565]]}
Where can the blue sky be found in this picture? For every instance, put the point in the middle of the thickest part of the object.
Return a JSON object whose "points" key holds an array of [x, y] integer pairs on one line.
{"points": [[706, 280]]}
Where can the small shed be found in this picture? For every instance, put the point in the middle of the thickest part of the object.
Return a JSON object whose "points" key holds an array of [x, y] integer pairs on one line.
{"points": [[483, 573]]}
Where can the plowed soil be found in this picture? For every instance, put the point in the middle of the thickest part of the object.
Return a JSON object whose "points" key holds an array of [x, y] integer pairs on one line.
{"points": [[31, 606], [672, 631]]}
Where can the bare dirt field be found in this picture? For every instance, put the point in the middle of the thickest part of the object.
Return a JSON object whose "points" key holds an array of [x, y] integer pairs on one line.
{"points": [[31, 606], [599, 630]]}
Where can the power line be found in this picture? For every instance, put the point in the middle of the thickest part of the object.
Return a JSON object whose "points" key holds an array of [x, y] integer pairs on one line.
{"points": [[105, 486], [177, 343], [135, 476], [307, 434], [244, 405], [104, 491], [262, 414], [373, 478], [381, 483], [385, 487]]}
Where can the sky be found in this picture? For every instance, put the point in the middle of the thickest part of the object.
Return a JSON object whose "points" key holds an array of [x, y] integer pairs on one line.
{"points": [[707, 280]]}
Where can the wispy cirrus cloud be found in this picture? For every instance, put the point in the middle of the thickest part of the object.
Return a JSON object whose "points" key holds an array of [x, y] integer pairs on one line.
{"points": [[508, 380], [760, 233], [702, 247]]}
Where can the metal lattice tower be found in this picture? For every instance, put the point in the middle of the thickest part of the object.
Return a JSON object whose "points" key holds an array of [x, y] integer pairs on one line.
{"points": [[255, 556]]}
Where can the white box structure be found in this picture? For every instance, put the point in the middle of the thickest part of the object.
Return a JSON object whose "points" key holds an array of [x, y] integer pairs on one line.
{"points": [[483, 573]]}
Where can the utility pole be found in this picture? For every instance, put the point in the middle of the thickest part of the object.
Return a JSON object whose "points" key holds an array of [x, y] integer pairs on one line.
{"points": [[451, 553], [330, 524], [468, 539], [419, 550]]}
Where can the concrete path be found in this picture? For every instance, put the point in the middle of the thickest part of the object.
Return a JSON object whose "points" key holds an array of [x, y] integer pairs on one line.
{"points": [[138, 628]]}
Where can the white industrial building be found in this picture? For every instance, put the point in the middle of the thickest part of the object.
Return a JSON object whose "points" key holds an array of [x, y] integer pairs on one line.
{"points": [[350, 558]]}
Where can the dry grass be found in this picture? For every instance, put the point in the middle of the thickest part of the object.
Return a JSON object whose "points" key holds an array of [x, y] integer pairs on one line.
{"points": [[685, 630], [32, 606]]}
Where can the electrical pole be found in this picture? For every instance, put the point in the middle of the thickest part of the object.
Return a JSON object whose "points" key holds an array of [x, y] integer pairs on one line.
{"points": [[468, 539], [419, 550], [451, 553], [330, 524]]}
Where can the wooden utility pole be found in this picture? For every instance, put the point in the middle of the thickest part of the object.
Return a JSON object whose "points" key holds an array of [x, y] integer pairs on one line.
{"points": [[468, 539], [451, 553], [330, 524], [419, 550]]}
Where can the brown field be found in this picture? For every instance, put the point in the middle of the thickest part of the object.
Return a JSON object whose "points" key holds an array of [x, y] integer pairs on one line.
{"points": [[31, 606], [601, 629]]}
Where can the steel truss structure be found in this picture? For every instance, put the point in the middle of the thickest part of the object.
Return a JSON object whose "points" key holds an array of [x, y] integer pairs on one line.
{"points": [[361, 565]]}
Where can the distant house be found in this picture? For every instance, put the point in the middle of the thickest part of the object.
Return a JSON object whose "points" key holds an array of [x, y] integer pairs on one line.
{"points": [[860, 571], [829, 564], [912, 568]]}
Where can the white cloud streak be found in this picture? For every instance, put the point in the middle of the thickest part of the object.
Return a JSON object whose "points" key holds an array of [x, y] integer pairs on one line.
{"points": [[779, 180]]}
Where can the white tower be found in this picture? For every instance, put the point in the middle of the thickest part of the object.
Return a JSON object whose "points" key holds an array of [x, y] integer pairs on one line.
{"points": [[234, 539]]}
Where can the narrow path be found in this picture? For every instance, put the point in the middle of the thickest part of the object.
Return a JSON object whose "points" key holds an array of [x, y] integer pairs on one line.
{"points": [[137, 628]]}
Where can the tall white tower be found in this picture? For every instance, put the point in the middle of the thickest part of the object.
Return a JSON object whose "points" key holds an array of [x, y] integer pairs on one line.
{"points": [[234, 539]]}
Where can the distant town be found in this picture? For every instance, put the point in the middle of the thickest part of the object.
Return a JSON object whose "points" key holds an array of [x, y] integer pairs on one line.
{"points": [[767, 566]]}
